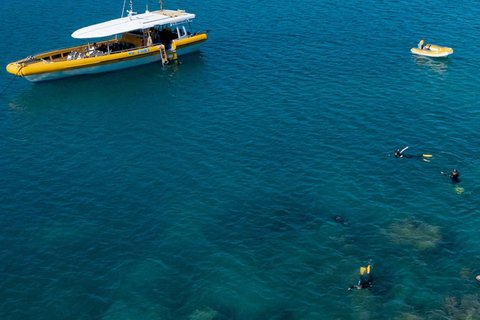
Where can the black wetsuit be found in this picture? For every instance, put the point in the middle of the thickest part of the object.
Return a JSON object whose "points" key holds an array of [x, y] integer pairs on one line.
{"points": [[401, 155], [366, 281], [454, 176]]}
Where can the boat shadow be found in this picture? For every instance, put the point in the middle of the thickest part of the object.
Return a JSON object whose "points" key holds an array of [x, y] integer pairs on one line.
{"points": [[105, 89]]}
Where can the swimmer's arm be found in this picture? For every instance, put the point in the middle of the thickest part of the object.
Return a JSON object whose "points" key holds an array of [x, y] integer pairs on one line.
{"points": [[404, 149]]}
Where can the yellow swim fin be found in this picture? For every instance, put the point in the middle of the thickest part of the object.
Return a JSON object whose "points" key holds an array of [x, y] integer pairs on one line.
{"points": [[459, 190], [427, 155], [368, 269], [362, 270]]}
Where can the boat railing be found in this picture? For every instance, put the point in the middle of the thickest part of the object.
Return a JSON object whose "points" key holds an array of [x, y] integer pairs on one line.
{"points": [[90, 51], [77, 55]]}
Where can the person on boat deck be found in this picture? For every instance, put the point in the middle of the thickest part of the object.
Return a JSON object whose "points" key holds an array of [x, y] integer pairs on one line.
{"points": [[91, 49], [154, 35], [159, 37], [421, 43], [366, 279], [167, 36], [455, 175], [149, 39]]}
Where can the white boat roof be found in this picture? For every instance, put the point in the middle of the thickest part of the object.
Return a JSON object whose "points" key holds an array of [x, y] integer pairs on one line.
{"points": [[133, 22]]}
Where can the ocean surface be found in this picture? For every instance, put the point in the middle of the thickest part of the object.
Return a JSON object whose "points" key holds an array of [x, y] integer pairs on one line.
{"points": [[250, 180]]}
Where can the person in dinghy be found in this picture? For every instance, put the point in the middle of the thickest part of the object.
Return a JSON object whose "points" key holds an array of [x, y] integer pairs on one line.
{"points": [[421, 43]]}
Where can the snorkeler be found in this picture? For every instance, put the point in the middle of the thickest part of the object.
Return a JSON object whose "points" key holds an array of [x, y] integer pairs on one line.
{"points": [[455, 175], [399, 154], [366, 279]]}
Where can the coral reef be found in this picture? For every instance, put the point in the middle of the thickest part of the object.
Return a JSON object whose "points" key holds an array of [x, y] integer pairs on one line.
{"points": [[204, 314], [415, 233], [468, 308]]}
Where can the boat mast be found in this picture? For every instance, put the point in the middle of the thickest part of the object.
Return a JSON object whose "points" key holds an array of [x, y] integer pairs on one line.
{"points": [[123, 9], [130, 12]]}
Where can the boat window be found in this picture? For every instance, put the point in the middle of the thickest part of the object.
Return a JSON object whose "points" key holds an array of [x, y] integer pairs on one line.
{"points": [[180, 32]]}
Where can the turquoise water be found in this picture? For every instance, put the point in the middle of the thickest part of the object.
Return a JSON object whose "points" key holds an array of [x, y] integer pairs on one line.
{"points": [[208, 189]]}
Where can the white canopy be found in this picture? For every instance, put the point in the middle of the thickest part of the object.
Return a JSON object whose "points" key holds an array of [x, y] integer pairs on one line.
{"points": [[134, 22]]}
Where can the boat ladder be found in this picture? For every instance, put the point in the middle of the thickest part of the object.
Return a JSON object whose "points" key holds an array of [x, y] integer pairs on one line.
{"points": [[163, 54]]}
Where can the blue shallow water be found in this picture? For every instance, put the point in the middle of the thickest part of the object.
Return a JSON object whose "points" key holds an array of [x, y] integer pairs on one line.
{"points": [[209, 189]]}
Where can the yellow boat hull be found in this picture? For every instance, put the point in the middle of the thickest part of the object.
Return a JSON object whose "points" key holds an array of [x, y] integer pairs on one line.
{"points": [[55, 65], [431, 50]]}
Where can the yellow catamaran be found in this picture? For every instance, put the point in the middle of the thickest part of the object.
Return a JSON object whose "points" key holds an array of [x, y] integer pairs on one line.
{"points": [[134, 40]]}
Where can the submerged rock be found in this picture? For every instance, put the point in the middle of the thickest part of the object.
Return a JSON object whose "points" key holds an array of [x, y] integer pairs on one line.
{"points": [[466, 273], [341, 220], [121, 310], [409, 316], [468, 308], [204, 314], [415, 233]]}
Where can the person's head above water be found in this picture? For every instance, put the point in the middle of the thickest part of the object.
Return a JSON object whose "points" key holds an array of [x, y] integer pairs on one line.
{"points": [[455, 176], [399, 153]]}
